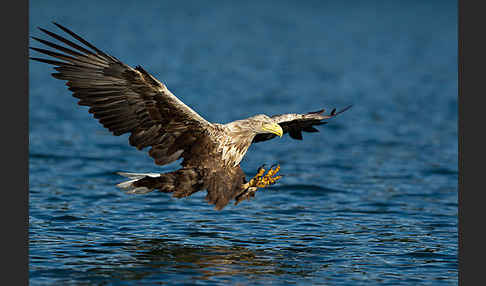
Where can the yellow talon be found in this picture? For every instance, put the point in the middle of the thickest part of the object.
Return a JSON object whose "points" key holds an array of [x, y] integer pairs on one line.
{"points": [[262, 181], [260, 172], [259, 181]]}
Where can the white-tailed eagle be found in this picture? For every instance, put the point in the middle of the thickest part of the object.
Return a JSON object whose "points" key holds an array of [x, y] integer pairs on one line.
{"points": [[130, 100]]}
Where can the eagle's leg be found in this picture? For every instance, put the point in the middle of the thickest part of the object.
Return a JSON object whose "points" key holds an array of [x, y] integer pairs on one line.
{"points": [[259, 181]]}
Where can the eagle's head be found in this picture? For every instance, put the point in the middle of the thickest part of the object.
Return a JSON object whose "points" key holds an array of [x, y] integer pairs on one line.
{"points": [[262, 123], [258, 124]]}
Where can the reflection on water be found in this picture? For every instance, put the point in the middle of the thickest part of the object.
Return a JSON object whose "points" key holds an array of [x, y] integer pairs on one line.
{"points": [[207, 260], [158, 257]]}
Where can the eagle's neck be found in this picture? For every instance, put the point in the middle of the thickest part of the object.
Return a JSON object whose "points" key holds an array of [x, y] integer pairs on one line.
{"points": [[235, 143]]}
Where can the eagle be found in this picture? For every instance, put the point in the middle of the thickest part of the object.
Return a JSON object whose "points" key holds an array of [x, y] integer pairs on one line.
{"points": [[130, 100]]}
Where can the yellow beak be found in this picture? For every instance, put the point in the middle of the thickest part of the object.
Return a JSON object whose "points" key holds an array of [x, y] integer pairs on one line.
{"points": [[273, 128]]}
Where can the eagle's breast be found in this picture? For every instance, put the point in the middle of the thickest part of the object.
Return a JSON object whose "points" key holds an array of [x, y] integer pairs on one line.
{"points": [[234, 140]]}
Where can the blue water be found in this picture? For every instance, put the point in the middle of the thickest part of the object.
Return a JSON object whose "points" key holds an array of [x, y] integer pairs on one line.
{"points": [[371, 199]]}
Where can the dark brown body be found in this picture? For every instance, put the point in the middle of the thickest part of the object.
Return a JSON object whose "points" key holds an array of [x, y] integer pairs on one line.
{"points": [[206, 171]]}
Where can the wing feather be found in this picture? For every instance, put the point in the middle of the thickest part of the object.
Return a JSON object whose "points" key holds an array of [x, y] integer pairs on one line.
{"points": [[294, 124], [124, 99]]}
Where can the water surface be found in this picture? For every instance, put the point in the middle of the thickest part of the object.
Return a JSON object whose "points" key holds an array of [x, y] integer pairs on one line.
{"points": [[371, 199]]}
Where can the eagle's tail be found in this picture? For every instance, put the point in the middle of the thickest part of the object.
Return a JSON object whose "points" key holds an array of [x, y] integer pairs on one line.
{"points": [[182, 183], [129, 186]]}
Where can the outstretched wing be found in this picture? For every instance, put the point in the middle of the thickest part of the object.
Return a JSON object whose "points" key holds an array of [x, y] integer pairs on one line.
{"points": [[124, 99], [295, 124]]}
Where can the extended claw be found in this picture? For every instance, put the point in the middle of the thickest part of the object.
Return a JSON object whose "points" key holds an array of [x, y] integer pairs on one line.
{"points": [[273, 171], [269, 178], [260, 171], [259, 181]]}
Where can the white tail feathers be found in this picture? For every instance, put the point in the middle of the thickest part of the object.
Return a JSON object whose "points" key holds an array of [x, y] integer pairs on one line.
{"points": [[138, 175], [128, 185]]}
